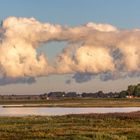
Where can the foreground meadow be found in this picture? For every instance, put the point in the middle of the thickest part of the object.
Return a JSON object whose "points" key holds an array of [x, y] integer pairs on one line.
{"points": [[113, 126]]}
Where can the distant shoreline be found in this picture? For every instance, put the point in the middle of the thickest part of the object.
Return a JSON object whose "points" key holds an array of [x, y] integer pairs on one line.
{"points": [[135, 102]]}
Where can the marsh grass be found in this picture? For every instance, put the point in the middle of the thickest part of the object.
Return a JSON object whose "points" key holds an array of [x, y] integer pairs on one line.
{"points": [[112, 126], [80, 102]]}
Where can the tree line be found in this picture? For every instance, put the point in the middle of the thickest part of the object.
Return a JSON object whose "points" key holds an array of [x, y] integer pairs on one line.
{"points": [[132, 90]]}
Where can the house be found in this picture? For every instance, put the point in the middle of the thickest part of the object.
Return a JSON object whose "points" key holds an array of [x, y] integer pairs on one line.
{"points": [[56, 95], [130, 96], [71, 95]]}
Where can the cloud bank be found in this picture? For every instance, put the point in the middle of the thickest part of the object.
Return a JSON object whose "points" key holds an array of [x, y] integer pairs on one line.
{"points": [[92, 50]]}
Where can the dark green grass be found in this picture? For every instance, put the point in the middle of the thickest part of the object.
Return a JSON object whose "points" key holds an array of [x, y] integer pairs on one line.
{"points": [[114, 126]]}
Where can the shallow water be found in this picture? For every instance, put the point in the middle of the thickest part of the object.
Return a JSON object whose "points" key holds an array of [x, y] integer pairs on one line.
{"points": [[50, 111]]}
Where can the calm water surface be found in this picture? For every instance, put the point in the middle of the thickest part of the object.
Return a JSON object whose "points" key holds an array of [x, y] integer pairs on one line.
{"points": [[50, 111]]}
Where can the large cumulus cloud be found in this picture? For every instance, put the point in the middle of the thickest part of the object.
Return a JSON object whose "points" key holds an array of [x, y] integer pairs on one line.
{"points": [[91, 49]]}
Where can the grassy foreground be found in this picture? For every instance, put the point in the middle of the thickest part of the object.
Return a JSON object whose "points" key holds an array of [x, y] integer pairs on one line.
{"points": [[80, 102], [114, 126]]}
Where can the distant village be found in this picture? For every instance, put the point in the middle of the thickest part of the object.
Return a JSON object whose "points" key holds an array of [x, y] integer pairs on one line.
{"points": [[60, 95], [133, 91]]}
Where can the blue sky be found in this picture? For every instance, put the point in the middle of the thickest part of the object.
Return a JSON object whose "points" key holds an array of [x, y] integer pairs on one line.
{"points": [[120, 13]]}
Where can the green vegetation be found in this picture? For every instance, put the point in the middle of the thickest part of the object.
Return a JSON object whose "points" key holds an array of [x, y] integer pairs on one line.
{"points": [[133, 90], [80, 102], [114, 126]]}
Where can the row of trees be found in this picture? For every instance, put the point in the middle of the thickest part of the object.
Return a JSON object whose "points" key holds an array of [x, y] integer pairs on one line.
{"points": [[132, 90]]}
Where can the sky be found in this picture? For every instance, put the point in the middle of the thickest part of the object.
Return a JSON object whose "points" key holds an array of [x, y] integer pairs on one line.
{"points": [[123, 14]]}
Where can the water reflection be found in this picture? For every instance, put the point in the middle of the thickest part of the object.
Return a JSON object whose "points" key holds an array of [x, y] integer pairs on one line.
{"points": [[50, 111]]}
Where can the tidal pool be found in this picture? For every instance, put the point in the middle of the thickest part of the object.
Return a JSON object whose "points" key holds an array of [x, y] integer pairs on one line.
{"points": [[51, 111]]}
